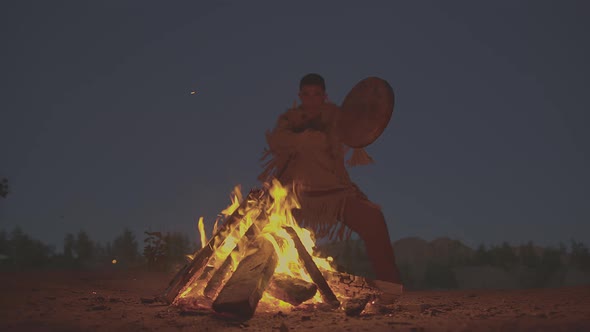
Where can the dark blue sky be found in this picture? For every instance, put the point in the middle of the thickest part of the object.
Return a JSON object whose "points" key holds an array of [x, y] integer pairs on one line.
{"points": [[488, 141]]}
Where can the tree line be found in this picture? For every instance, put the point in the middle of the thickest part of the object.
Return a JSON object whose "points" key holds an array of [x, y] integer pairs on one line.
{"points": [[536, 266], [529, 265], [160, 251]]}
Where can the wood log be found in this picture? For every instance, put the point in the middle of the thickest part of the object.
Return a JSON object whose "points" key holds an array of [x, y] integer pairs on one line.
{"points": [[317, 277], [291, 290], [351, 286], [242, 292], [201, 257], [222, 273], [219, 277], [354, 306]]}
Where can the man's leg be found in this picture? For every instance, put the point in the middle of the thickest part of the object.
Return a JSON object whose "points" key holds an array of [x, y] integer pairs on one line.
{"points": [[367, 220]]}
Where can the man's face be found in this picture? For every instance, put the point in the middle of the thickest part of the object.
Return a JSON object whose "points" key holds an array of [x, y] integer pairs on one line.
{"points": [[312, 96]]}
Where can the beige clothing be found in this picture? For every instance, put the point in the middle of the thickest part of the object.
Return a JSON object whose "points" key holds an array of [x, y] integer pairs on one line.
{"points": [[312, 161]]}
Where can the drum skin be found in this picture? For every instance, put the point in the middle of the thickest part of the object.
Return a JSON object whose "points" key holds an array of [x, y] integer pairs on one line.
{"points": [[366, 112]]}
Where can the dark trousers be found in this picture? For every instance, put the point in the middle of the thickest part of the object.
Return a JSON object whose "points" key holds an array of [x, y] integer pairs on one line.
{"points": [[366, 219]]}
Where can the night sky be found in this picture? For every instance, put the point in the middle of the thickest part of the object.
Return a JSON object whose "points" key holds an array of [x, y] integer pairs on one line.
{"points": [[100, 131]]}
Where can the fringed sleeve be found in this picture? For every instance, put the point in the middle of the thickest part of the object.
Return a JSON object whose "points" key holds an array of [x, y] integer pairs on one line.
{"points": [[282, 145], [282, 138]]}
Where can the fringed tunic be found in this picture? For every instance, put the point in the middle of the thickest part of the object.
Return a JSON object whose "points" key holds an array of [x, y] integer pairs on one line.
{"points": [[308, 156]]}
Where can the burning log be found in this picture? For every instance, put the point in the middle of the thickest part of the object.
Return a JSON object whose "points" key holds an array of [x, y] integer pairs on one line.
{"points": [[221, 274], [356, 289], [354, 286], [315, 274], [202, 256], [242, 292], [218, 278], [349, 285], [291, 290]]}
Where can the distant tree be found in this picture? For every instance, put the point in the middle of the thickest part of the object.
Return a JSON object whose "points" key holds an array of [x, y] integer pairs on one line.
{"points": [[528, 256], [346, 256], [154, 251], [550, 263], [125, 248], [3, 242], [4, 189], [409, 279], [551, 258], [84, 248], [178, 246], [103, 254], [562, 249], [481, 256], [579, 256], [503, 256], [358, 263], [108, 251], [165, 251], [69, 246], [24, 252], [458, 254], [4, 248]]}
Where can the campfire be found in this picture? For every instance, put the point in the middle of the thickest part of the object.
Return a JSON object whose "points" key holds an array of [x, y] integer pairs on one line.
{"points": [[260, 259]]}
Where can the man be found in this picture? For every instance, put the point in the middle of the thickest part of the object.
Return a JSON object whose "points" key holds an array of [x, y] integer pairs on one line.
{"points": [[307, 153]]}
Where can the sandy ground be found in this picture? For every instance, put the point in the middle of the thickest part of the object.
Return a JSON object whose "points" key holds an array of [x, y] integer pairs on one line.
{"points": [[112, 301]]}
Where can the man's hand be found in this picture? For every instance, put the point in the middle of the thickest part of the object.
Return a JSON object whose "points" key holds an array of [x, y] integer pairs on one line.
{"points": [[315, 134], [314, 138], [296, 118]]}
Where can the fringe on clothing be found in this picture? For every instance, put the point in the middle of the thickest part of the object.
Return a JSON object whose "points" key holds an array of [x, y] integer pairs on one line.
{"points": [[268, 166], [359, 157], [322, 213], [272, 166]]}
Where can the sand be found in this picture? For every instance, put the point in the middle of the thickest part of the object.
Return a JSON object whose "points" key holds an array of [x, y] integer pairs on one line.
{"points": [[111, 300]]}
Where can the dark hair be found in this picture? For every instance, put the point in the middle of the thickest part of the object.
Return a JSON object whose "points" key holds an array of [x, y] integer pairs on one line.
{"points": [[312, 79]]}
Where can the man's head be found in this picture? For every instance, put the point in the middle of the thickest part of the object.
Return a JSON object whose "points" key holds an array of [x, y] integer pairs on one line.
{"points": [[312, 91]]}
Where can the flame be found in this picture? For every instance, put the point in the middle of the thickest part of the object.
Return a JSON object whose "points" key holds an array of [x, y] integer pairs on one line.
{"points": [[281, 217], [215, 226], [275, 209], [202, 232], [236, 199], [225, 247]]}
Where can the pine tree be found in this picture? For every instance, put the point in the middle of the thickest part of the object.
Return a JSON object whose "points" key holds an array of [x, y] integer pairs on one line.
{"points": [[125, 248], [85, 249]]}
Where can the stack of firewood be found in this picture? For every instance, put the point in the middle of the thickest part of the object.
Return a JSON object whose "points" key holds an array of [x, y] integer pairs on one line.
{"points": [[238, 293]]}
